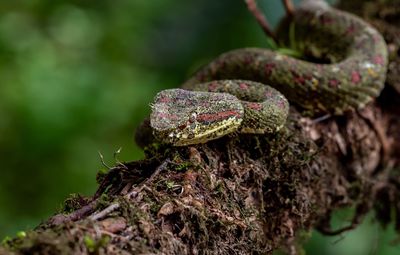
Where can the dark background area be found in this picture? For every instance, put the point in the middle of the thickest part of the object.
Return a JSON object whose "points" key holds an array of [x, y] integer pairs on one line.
{"points": [[77, 77]]}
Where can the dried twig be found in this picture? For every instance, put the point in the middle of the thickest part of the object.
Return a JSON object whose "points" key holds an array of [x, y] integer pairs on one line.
{"points": [[104, 212], [90, 207], [262, 21], [288, 7]]}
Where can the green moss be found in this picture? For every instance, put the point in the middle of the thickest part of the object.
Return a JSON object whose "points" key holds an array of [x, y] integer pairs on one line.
{"points": [[72, 203], [183, 166], [5, 242], [89, 243], [101, 174], [169, 184], [21, 234], [103, 201], [93, 245]]}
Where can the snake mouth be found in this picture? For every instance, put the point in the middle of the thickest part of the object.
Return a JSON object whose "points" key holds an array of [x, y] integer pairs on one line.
{"points": [[199, 133]]}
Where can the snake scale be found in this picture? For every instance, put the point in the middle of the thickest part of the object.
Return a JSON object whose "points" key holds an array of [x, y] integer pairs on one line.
{"points": [[247, 90]]}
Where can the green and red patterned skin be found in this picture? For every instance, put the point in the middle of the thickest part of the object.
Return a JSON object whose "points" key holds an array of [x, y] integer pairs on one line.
{"points": [[214, 109], [343, 68]]}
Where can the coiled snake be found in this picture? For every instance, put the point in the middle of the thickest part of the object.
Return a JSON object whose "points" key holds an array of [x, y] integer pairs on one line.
{"points": [[343, 68]]}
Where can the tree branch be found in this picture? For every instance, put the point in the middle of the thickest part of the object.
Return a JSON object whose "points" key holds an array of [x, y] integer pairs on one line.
{"points": [[243, 195], [289, 7], [259, 16]]}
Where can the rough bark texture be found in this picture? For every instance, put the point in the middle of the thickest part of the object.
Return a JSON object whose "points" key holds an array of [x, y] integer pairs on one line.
{"points": [[244, 194]]}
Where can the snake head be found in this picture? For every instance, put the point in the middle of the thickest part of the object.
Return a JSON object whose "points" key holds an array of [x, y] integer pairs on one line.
{"points": [[181, 117]]}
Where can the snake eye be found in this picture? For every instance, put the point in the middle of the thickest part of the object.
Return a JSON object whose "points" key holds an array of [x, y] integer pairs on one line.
{"points": [[193, 117]]}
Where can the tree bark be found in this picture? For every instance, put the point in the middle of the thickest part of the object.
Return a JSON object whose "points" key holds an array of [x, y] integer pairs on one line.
{"points": [[244, 194]]}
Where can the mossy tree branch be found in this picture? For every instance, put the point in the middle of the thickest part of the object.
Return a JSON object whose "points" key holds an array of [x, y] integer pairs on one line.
{"points": [[244, 194]]}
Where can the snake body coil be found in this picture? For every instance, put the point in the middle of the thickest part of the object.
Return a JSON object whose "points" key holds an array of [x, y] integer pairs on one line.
{"points": [[343, 68]]}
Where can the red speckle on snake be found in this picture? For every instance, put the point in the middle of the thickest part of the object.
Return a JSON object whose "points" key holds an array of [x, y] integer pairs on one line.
{"points": [[343, 67]]}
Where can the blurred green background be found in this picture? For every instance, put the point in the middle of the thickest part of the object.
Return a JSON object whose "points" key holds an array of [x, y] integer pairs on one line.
{"points": [[77, 77]]}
